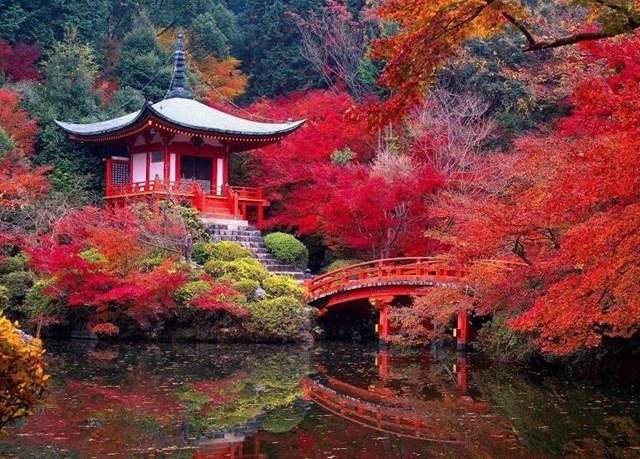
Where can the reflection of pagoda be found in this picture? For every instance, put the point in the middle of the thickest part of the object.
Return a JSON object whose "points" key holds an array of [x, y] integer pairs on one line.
{"points": [[238, 442]]}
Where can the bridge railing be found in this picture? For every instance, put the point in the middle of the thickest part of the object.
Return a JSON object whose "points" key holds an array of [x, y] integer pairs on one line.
{"points": [[387, 270]]}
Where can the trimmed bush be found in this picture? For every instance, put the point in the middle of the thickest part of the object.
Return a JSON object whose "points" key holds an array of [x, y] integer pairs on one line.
{"points": [[287, 249], [245, 268], [215, 268], [276, 318], [199, 253], [185, 294], [227, 251], [224, 251], [277, 286], [339, 264], [246, 286]]}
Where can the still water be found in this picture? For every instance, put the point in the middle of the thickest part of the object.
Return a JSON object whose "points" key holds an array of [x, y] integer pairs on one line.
{"points": [[336, 400]]}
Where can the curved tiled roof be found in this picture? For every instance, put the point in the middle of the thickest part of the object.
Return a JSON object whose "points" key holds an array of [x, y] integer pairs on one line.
{"points": [[186, 113]]}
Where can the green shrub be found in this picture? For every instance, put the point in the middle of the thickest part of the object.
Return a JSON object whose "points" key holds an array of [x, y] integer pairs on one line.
{"points": [[93, 256], [185, 294], [339, 264], [192, 221], [503, 344], [246, 286], [227, 251], [224, 250], [244, 268], [199, 253], [16, 263], [276, 286], [287, 249], [276, 318], [17, 284], [215, 267]]}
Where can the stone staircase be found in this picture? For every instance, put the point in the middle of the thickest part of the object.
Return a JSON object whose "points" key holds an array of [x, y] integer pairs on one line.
{"points": [[240, 232]]}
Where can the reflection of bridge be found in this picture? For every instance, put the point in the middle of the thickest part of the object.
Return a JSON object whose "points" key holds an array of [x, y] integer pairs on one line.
{"points": [[381, 282], [381, 409]]}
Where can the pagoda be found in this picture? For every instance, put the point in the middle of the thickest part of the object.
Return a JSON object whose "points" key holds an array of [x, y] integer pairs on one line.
{"points": [[180, 148]]}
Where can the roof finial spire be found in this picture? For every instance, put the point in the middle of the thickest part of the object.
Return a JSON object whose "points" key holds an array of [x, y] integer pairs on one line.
{"points": [[178, 82]]}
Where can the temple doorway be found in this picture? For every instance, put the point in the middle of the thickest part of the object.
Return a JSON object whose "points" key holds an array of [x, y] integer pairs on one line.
{"points": [[197, 169]]}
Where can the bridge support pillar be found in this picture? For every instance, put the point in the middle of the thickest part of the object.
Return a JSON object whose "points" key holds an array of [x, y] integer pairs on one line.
{"points": [[462, 334], [462, 373], [382, 304]]}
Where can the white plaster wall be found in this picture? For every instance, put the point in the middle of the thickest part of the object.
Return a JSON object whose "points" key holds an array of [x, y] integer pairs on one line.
{"points": [[157, 169], [139, 167], [219, 175]]}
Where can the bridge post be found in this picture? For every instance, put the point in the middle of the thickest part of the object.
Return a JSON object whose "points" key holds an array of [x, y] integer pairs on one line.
{"points": [[462, 334], [382, 304], [462, 373]]}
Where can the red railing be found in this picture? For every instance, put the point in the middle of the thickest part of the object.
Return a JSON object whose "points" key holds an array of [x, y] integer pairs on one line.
{"points": [[248, 193], [408, 269], [154, 186]]}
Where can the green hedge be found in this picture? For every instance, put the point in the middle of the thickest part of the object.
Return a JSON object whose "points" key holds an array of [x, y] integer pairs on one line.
{"points": [[223, 251], [277, 318], [287, 249]]}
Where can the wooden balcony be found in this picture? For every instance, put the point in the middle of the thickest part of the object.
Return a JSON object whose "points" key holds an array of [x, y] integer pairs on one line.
{"points": [[234, 202]]}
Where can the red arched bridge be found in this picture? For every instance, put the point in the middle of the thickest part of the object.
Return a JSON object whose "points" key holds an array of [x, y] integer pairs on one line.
{"points": [[382, 281]]}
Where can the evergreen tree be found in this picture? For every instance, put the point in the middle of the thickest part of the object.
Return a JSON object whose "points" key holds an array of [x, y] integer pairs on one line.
{"points": [[270, 53], [67, 93], [143, 64], [44, 21]]}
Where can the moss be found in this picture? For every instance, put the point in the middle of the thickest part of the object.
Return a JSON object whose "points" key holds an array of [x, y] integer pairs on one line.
{"points": [[287, 249], [277, 286]]}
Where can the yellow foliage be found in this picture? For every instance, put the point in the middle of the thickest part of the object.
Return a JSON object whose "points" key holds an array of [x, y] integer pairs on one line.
{"points": [[22, 373]]}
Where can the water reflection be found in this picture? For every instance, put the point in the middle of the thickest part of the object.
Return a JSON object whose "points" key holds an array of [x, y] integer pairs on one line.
{"points": [[335, 400]]}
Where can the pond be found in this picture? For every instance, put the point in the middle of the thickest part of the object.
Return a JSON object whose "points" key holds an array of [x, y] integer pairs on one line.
{"points": [[334, 400]]}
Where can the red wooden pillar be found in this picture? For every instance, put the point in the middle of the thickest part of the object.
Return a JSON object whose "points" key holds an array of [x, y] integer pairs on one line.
{"points": [[462, 373], [462, 334], [148, 172], [260, 215], [382, 304], [167, 166], [384, 362]]}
